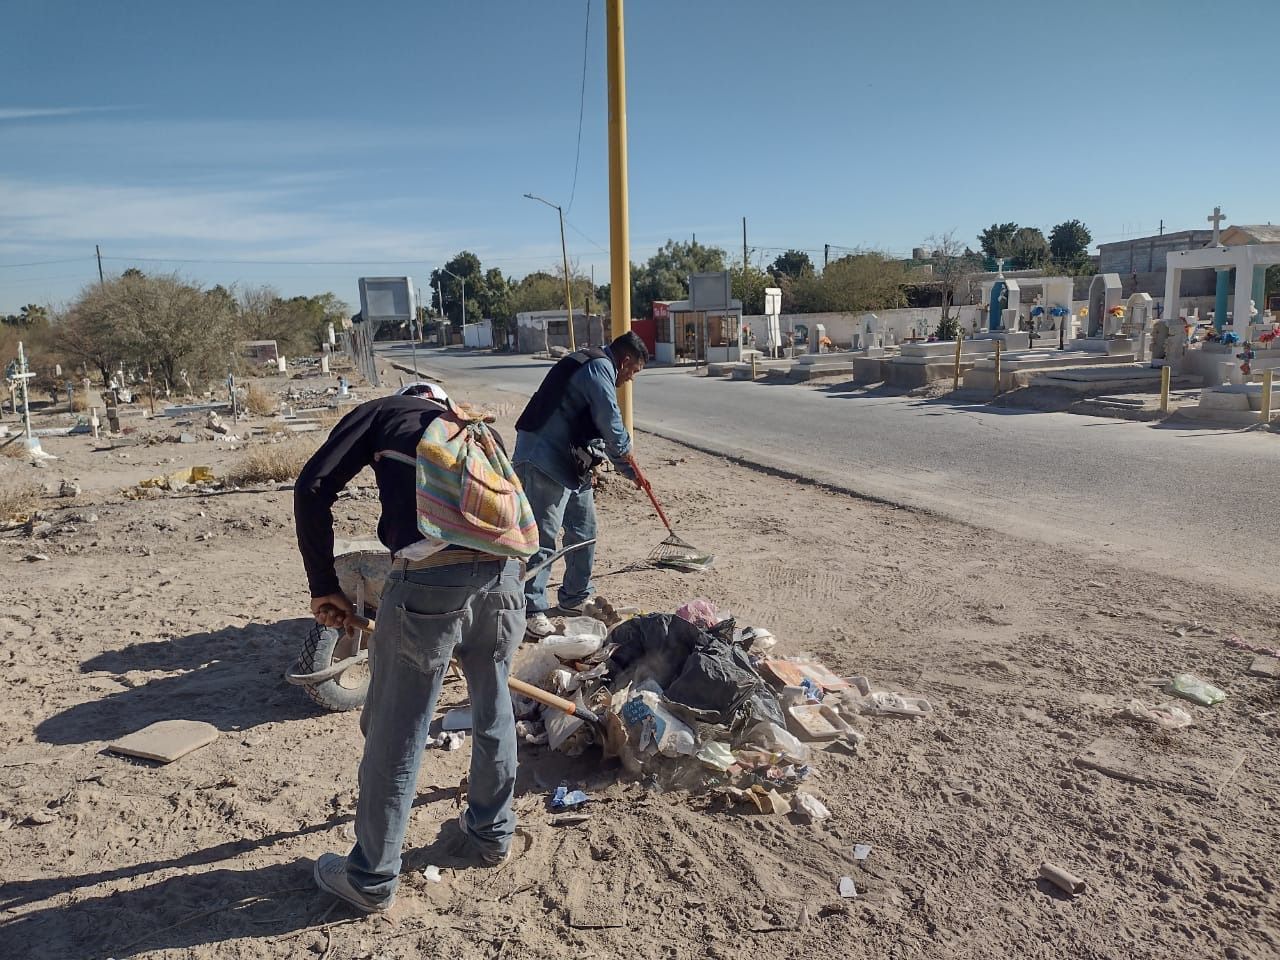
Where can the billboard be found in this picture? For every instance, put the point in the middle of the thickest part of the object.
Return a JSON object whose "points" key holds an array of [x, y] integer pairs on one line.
{"points": [[384, 299]]}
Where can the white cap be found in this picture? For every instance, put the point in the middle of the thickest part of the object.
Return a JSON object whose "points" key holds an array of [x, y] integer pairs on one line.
{"points": [[424, 388]]}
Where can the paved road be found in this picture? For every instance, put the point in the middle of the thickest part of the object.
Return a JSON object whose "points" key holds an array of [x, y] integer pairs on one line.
{"points": [[1195, 502]]}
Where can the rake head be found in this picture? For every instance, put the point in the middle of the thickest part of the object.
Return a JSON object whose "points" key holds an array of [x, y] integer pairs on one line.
{"points": [[678, 554]]}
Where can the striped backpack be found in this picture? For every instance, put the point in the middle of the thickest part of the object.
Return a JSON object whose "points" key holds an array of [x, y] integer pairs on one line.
{"points": [[468, 493]]}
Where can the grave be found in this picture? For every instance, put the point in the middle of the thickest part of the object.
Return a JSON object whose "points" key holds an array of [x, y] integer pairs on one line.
{"points": [[1104, 317], [920, 363], [1022, 368]]}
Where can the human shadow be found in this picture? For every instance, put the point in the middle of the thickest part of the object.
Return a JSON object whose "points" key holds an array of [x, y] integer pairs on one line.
{"points": [[231, 678], [176, 913]]}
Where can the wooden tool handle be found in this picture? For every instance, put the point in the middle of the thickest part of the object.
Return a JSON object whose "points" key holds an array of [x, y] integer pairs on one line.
{"points": [[656, 505], [542, 696]]}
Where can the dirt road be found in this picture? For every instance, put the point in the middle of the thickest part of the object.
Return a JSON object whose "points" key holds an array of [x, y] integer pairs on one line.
{"points": [[193, 606]]}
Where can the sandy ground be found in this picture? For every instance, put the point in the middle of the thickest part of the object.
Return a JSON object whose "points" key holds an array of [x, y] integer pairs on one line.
{"points": [[193, 606]]}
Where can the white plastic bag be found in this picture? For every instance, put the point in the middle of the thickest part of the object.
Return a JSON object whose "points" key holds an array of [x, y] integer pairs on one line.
{"points": [[572, 646], [773, 739]]}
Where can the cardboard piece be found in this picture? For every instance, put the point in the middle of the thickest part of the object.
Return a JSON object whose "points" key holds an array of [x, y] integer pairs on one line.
{"points": [[790, 673], [1204, 772], [166, 740]]}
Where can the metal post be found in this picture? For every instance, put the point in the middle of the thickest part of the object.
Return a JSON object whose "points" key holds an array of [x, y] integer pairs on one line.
{"points": [[568, 289], [997, 389], [1265, 415], [619, 215], [1164, 389], [955, 385]]}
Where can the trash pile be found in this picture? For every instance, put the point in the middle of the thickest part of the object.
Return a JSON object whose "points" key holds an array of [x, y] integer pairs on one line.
{"points": [[691, 700]]}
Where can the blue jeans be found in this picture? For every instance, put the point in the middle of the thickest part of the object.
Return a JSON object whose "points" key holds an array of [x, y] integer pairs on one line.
{"points": [[474, 611], [556, 507]]}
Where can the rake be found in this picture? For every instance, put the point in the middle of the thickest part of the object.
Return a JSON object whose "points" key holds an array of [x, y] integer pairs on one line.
{"points": [[675, 552]]}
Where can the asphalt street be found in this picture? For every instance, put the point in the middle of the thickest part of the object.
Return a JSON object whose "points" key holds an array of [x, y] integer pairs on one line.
{"points": [[1171, 498]]}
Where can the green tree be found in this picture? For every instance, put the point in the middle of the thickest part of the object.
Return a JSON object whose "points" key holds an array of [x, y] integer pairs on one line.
{"points": [[794, 264], [859, 281], [1068, 241], [466, 266], [997, 240], [953, 263], [665, 276], [1029, 249], [749, 286]]}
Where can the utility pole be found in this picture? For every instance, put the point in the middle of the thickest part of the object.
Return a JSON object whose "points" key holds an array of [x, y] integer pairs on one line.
{"points": [[826, 254], [98, 251], [590, 293], [744, 255], [619, 215], [564, 253], [1162, 226]]}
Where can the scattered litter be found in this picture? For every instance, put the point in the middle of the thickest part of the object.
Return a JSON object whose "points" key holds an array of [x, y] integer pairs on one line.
{"points": [[180, 479], [40, 818], [811, 807], [459, 718], [701, 613], [1170, 716], [532, 732], [453, 740], [816, 721], [775, 803], [566, 799], [188, 438], [570, 819], [166, 740], [848, 890], [792, 672], [1242, 644], [652, 726], [431, 874], [776, 740], [1191, 687], [716, 755], [34, 557], [571, 646], [882, 703], [861, 851], [69, 489], [1067, 882], [757, 639]]}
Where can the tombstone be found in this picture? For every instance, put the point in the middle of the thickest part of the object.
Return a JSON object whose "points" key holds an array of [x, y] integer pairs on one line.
{"points": [[332, 337], [281, 365], [324, 363], [1138, 313], [819, 334], [1104, 293], [342, 386]]}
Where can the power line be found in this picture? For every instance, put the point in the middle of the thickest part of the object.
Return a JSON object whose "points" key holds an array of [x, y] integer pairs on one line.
{"points": [[585, 237], [41, 263], [582, 101]]}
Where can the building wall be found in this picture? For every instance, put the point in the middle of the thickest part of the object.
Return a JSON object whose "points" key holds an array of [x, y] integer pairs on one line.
{"points": [[1147, 254]]}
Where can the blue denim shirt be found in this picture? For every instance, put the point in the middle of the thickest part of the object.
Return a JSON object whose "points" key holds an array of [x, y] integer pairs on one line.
{"points": [[594, 386]]}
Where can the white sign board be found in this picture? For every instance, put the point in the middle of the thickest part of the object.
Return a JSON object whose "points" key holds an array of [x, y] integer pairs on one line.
{"points": [[710, 291], [772, 301], [387, 299]]}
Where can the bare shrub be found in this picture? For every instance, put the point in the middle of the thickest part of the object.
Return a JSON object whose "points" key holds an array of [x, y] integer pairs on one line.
{"points": [[18, 496], [271, 463], [259, 402]]}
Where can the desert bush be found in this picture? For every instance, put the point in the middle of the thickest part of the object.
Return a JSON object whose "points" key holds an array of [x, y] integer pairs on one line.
{"points": [[271, 463], [18, 495], [259, 402]]}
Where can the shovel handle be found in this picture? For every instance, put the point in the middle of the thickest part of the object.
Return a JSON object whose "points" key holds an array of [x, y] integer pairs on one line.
{"points": [[544, 697]]}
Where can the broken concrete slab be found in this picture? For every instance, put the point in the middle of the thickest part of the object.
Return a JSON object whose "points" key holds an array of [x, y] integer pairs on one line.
{"points": [[166, 740], [194, 408]]}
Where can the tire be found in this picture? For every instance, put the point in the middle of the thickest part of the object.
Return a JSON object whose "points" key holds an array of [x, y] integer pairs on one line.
{"points": [[344, 692]]}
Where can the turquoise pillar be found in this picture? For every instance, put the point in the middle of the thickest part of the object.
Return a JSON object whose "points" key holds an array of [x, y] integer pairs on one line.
{"points": [[1220, 300], [1260, 290]]}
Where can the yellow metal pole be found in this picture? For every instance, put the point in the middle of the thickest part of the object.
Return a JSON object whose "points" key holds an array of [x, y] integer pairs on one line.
{"points": [[997, 390], [1164, 389], [955, 378], [1266, 395], [619, 217], [568, 295]]}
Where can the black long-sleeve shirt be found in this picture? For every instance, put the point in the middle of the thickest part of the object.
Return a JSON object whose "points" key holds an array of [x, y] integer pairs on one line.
{"points": [[390, 424]]}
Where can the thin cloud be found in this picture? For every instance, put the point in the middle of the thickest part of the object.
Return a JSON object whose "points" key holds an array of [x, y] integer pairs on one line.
{"points": [[27, 113]]}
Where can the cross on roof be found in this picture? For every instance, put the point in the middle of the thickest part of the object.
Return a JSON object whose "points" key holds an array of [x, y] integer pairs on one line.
{"points": [[1216, 220]]}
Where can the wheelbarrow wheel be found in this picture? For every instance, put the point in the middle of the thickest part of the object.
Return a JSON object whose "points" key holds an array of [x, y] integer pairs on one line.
{"points": [[348, 690]]}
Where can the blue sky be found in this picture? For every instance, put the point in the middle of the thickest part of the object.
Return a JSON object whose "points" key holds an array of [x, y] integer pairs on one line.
{"points": [[304, 137]]}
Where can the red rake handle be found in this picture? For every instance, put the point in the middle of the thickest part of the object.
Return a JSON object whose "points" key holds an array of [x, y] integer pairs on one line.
{"points": [[645, 485]]}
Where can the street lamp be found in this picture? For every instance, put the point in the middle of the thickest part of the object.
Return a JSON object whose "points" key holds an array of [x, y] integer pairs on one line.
{"points": [[464, 296], [564, 252]]}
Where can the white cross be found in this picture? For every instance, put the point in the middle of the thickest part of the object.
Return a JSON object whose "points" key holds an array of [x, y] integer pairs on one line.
{"points": [[1216, 220]]}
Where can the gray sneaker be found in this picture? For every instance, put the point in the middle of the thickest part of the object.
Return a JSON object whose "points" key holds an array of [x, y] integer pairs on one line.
{"points": [[487, 858], [538, 625], [331, 877]]}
